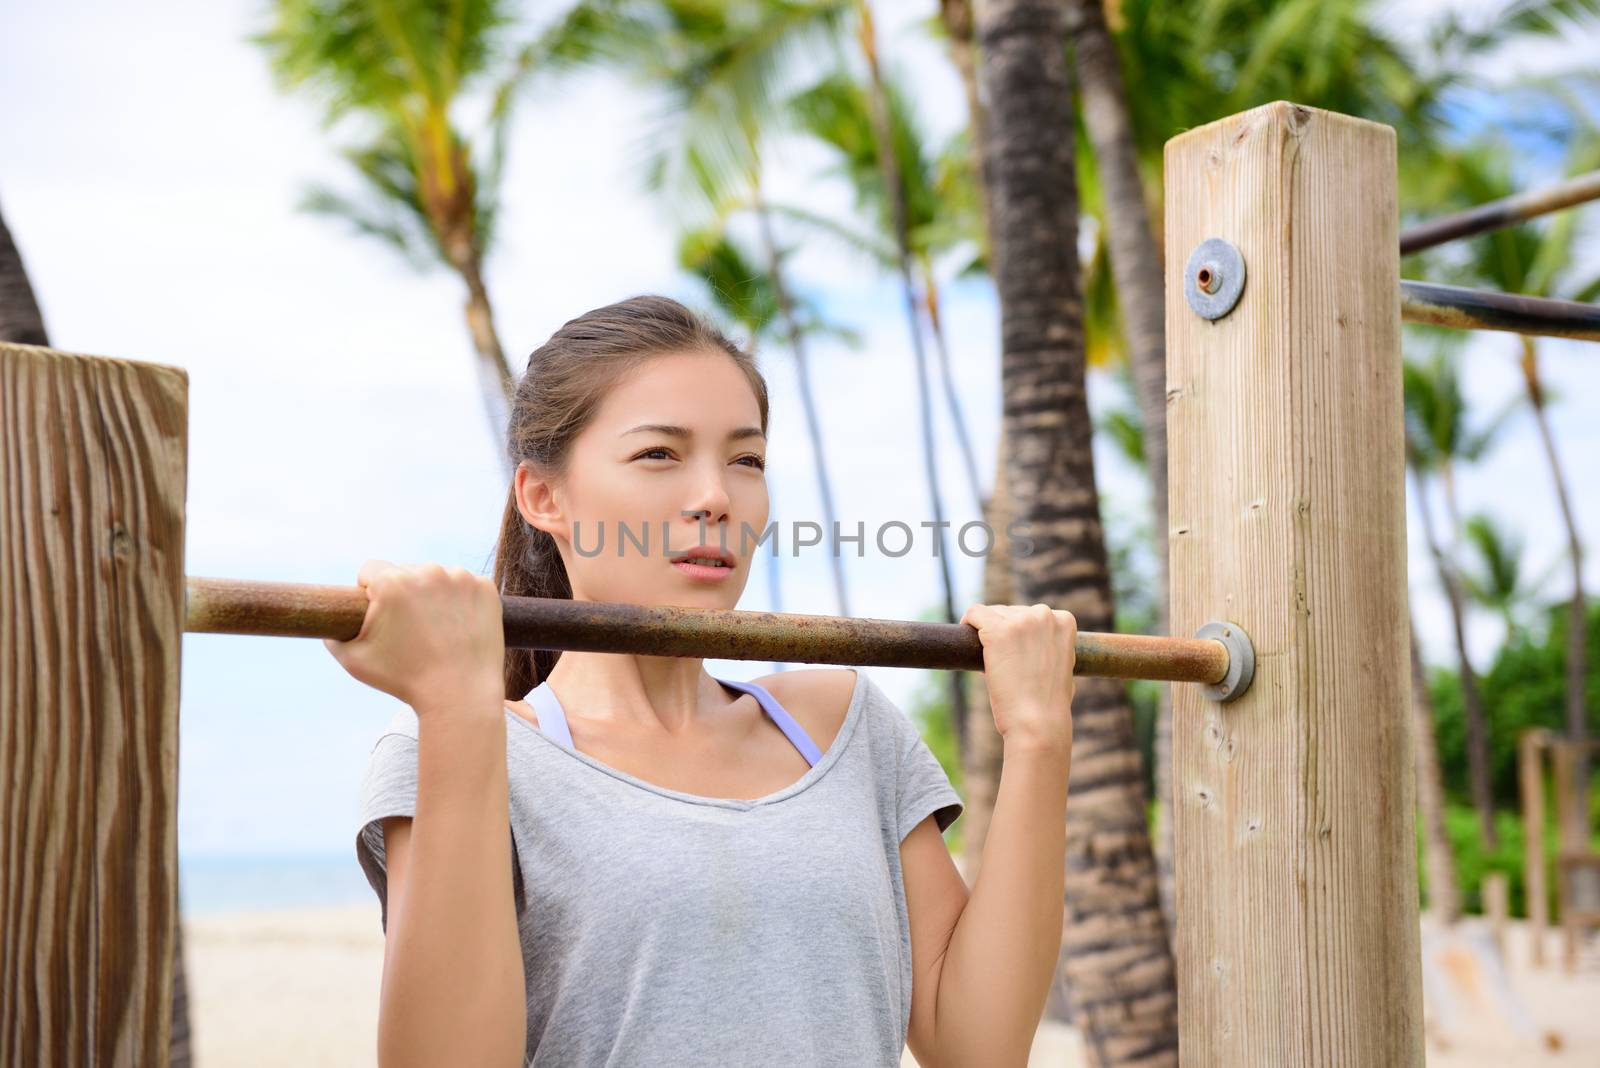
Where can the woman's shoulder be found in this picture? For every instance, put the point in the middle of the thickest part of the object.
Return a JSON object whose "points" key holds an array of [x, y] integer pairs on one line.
{"points": [[819, 698], [523, 710]]}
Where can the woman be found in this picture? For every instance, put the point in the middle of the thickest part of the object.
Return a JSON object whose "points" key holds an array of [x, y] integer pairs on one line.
{"points": [[698, 871]]}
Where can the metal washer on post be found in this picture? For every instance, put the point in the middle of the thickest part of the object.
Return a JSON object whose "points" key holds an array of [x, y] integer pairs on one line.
{"points": [[1213, 279], [1241, 660]]}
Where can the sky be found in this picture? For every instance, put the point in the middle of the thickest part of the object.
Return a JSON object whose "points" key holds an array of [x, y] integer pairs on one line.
{"points": [[151, 179]]}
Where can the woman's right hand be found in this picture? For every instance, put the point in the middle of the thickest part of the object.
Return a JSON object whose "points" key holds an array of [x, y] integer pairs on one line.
{"points": [[1029, 655], [433, 636]]}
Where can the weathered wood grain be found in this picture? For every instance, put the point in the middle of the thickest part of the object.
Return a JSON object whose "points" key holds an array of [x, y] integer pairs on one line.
{"points": [[1294, 806], [92, 481]]}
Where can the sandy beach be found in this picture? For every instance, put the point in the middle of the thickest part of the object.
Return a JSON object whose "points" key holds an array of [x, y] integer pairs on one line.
{"points": [[300, 986]]}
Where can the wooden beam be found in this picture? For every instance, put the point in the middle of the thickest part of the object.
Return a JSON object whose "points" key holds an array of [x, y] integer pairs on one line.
{"points": [[1497, 907], [1296, 876], [1561, 752], [1530, 745], [92, 479]]}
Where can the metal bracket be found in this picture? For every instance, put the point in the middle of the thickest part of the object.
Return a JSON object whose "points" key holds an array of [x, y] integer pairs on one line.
{"points": [[1214, 278], [1241, 660]]}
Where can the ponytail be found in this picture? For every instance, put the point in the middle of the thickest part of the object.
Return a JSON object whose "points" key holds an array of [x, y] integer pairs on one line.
{"points": [[528, 564]]}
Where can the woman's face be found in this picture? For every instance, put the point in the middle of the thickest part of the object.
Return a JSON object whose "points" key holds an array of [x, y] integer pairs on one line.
{"points": [[676, 447]]}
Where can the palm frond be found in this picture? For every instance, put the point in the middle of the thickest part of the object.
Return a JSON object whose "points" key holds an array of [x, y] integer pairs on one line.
{"points": [[376, 221], [878, 252], [745, 293], [380, 56]]}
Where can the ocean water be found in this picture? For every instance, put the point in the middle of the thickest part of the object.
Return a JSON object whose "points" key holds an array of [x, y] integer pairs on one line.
{"points": [[209, 883]]}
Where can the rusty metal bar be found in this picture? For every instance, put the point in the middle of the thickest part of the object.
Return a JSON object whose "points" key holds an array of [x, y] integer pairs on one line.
{"points": [[295, 610], [1501, 213], [1482, 309]]}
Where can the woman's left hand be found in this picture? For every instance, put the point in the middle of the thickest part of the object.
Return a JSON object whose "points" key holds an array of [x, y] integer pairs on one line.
{"points": [[1028, 657]]}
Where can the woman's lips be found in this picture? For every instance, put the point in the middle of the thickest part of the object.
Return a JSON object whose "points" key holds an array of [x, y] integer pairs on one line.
{"points": [[703, 572]]}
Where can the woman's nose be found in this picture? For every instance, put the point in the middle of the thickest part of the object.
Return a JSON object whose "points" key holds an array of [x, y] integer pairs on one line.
{"points": [[711, 498]]}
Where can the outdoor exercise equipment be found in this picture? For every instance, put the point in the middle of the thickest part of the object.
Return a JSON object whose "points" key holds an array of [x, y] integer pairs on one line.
{"points": [[1295, 850], [1577, 866], [1224, 663]]}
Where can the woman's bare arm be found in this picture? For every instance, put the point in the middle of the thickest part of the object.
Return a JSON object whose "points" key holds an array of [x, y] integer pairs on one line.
{"points": [[983, 962], [453, 990]]}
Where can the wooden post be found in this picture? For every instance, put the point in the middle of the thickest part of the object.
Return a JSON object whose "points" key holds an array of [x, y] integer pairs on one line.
{"points": [[1497, 907], [1561, 752], [1296, 869], [92, 476], [1531, 780]]}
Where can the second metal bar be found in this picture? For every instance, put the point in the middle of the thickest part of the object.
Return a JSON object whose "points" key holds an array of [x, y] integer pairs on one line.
{"points": [[1501, 213], [1482, 309]]}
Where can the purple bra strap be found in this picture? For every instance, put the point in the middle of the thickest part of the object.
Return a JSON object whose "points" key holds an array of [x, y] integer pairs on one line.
{"points": [[780, 715], [553, 718]]}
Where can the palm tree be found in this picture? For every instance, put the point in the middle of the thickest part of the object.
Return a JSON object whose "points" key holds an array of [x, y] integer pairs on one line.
{"points": [[1195, 65], [1437, 439], [402, 71], [1498, 580], [1536, 259], [938, 202], [956, 22], [1118, 960], [938, 198], [721, 73], [1135, 261], [21, 323], [891, 169], [20, 320]]}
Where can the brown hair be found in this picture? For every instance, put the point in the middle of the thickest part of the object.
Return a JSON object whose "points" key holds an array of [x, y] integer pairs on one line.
{"points": [[558, 394]]}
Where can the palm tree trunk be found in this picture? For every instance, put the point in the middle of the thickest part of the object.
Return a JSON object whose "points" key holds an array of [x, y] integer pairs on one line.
{"points": [[957, 18], [1117, 956], [808, 402], [952, 397], [1472, 703], [21, 322], [1444, 896], [1573, 832], [496, 386], [1141, 297], [894, 189]]}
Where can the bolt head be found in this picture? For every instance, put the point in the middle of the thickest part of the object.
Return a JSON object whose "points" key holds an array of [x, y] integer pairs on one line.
{"points": [[1214, 278]]}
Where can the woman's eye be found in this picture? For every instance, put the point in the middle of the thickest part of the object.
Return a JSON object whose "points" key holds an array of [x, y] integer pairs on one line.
{"points": [[661, 452]]}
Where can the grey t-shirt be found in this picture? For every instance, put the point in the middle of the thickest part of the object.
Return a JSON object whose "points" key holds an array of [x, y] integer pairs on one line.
{"points": [[664, 928]]}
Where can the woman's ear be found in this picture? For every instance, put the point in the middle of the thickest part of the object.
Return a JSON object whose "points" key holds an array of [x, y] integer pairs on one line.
{"points": [[537, 501]]}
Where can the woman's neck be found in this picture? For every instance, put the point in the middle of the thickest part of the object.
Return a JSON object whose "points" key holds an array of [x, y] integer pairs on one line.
{"points": [[663, 691]]}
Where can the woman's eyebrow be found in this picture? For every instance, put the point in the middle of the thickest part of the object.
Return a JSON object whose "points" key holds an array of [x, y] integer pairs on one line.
{"points": [[684, 432]]}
